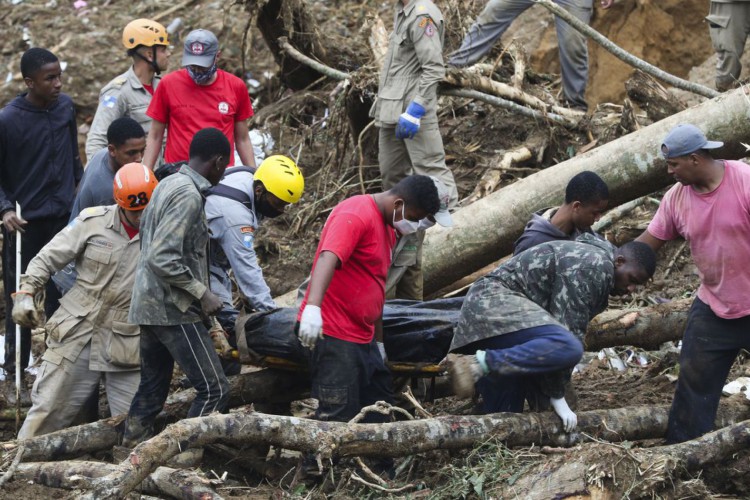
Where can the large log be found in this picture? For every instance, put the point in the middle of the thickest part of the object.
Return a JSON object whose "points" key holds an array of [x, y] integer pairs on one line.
{"points": [[608, 471], [647, 328], [264, 386], [393, 439], [73, 475], [484, 231]]}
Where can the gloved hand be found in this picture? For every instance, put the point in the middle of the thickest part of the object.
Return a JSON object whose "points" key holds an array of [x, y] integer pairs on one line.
{"points": [[25, 312], [563, 411], [408, 123], [381, 348], [219, 338], [310, 326]]}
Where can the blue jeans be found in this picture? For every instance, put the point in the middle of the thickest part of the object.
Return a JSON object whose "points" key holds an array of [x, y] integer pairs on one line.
{"points": [[346, 377], [709, 347], [525, 363], [161, 346]]}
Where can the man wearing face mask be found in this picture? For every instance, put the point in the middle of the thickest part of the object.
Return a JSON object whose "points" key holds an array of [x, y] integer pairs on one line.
{"points": [[196, 97], [341, 316], [405, 279], [234, 210]]}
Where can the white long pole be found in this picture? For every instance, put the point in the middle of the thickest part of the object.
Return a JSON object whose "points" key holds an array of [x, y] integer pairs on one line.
{"points": [[18, 328]]}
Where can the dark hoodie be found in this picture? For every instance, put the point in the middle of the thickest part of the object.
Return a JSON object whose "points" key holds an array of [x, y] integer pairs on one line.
{"points": [[39, 161], [540, 230]]}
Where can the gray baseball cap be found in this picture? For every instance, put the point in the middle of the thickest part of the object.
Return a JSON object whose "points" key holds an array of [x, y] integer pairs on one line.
{"points": [[685, 139], [201, 47], [443, 216]]}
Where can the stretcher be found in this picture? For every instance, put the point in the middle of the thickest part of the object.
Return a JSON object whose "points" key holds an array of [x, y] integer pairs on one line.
{"points": [[412, 371]]}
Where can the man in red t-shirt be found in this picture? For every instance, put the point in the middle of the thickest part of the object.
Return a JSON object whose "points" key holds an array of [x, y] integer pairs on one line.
{"points": [[710, 208], [197, 97], [341, 316]]}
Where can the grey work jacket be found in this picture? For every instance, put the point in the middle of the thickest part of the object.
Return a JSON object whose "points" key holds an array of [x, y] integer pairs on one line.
{"points": [[123, 96], [96, 308], [413, 65], [233, 227]]}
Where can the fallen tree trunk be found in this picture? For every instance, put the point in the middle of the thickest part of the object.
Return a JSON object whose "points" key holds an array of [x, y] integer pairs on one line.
{"points": [[73, 474], [650, 96], [647, 328], [393, 439], [484, 231], [263, 386], [612, 471]]}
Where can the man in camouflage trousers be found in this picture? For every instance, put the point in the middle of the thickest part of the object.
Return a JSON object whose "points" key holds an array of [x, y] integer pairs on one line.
{"points": [[523, 323], [406, 113], [171, 298]]}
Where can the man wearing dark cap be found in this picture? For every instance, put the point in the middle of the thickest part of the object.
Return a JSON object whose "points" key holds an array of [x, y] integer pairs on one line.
{"points": [[710, 209], [196, 97]]}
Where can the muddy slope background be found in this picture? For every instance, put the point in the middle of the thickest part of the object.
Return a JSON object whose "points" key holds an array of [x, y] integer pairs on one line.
{"points": [[314, 124], [309, 124]]}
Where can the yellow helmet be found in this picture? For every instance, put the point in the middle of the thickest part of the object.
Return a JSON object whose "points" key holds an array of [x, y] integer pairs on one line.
{"points": [[144, 32], [281, 177]]}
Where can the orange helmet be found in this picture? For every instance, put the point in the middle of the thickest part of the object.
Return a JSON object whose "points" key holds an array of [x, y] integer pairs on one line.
{"points": [[134, 184], [144, 32]]}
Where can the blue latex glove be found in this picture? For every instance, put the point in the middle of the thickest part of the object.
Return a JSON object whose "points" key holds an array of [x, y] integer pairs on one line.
{"points": [[408, 123]]}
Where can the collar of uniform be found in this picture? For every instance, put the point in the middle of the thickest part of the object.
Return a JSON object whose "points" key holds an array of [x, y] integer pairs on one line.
{"points": [[406, 9], [134, 82], [200, 182]]}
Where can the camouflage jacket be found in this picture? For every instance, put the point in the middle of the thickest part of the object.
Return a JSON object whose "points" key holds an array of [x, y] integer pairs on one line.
{"points": [[172, 273], [563, 283]]}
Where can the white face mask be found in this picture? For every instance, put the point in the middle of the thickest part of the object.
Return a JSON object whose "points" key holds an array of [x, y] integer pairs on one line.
{"points": [[404, 226], [425, 224]]}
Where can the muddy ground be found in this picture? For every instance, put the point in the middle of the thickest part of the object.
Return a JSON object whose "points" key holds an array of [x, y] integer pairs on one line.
{"points": [[312, 125]]}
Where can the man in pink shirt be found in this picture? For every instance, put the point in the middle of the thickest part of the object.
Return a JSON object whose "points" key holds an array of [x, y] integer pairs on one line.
{"points": [[710, 209]]}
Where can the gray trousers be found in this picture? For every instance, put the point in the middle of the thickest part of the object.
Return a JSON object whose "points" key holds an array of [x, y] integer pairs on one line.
{"points": [[61, 390], [729, 26], [424, 154], [497, 17]]}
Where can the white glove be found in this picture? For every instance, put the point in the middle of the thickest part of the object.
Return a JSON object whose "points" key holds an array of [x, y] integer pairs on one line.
{"points": [[563, 411], [24, 311], [310, 326], [381, 348]]}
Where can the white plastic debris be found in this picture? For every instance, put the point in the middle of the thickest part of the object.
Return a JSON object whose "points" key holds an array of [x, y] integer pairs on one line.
{"points": [[613, 359], [79, 4], [263, 145], [736, 386], [175, 25]]}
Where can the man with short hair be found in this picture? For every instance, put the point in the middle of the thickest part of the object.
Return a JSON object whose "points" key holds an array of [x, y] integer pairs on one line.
{"points": [[574, 58], [39, 169], [172, 301], [522, 325], [710, 209], [586, 198], [126, 142], [196, 97], [129, 94], [341, 315]]}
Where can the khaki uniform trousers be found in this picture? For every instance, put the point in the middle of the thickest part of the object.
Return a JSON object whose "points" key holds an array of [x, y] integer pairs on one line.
{"points": [[729, 26], [60, 391]]}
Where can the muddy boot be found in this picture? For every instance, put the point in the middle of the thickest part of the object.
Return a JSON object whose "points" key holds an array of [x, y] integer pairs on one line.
{"points": [[464, 371], [9, 391]]}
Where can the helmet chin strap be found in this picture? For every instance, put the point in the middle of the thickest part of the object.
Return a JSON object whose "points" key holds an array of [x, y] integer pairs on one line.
{"points": [[153, 62]]}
